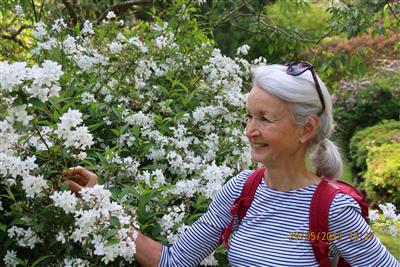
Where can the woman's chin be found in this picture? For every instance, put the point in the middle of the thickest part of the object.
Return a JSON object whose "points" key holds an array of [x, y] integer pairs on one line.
{"points": [[258, 157]]}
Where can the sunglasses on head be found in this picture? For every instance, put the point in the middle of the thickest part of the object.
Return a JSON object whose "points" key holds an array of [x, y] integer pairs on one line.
{"points": [[299, 67]]}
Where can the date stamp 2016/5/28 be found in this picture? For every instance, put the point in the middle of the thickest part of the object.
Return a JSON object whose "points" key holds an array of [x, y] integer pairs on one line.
{"points": [[329, 236]]}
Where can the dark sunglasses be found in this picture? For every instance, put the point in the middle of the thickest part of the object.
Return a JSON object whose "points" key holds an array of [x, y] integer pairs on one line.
{"points": [[299, 67]]}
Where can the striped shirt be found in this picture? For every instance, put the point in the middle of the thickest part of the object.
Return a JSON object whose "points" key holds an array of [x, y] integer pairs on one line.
{"points": [[273, 233]]}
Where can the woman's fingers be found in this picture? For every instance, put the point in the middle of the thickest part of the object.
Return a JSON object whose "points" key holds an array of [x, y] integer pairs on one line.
{"points": [[81, 176], [73, 186], [79, 171]]}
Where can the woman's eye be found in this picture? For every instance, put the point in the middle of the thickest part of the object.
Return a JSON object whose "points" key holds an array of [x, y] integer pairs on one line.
{"points": [[265, 119]]}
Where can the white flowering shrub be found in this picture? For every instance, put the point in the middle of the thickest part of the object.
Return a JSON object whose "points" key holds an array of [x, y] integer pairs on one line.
{"points": [[386, 221], [154, 110]]}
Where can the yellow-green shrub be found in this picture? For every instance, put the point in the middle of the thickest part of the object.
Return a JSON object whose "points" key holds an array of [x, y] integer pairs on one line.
{"points": [[374, 136], [382, 179]]}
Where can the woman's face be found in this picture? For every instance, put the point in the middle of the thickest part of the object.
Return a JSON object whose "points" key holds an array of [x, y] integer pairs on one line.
{"points": [[274, 138]]}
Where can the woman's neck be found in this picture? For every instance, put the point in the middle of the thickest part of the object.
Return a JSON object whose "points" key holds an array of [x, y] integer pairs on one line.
{"points": [[291, 178]]}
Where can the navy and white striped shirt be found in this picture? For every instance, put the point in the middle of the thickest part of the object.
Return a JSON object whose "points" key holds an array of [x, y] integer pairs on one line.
{"points": [[263, 238]]}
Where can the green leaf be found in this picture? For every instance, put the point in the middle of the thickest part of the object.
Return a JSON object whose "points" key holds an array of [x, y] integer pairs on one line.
{"points": [[3, 227], [21, 261], [43, 258], [117, 113], [96, 126], [110, 233], [183, 87], [143, 200], [114, 221], [271, 49], [111, 242], [116, 132], [10, 194]]}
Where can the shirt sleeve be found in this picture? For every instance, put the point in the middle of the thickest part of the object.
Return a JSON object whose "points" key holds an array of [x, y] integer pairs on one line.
{"points": [[201, 239], [357, 245]]}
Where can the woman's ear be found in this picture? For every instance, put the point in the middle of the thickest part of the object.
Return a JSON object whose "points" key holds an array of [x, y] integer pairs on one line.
{"points": [[309, 129]]}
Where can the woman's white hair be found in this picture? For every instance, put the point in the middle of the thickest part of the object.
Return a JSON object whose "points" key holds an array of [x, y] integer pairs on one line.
{"points": [[301, 94]]}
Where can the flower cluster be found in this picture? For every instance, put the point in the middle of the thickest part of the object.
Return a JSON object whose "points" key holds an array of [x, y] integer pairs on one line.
{"points": [[388, 221], [95, 214], [41, 82], [25, 237], [173, 219], [74, 135]]}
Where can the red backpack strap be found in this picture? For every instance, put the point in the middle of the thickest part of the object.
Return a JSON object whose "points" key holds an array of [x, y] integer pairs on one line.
{"points": [[319, 216], [242, 203]]}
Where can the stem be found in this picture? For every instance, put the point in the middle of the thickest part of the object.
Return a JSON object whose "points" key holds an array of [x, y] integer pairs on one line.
{"points": [[51, 154], [45, 143], [41, 9], [34, 11], [392, 11]]}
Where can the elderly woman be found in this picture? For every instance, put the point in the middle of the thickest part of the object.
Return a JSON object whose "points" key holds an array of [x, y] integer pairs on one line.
{"points": [[289, 117]]}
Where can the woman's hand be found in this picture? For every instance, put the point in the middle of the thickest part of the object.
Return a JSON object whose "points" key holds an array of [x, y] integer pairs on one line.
{"points": [[78, 177]]}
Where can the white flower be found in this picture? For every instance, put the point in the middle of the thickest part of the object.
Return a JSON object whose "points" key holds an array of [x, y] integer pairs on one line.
{"points": [[243, 50], [156, 154], [139, 44], [373, 215], [19, 113], [76, 262], [79, 138], [90, 194], [84, 62], [33, 185], [389, 211], [215, 177], [139, 119], [10, 258], [186, 187], [87, 98], [45, 80], [160, 41], [115, 47], [61, 237], [210, 260], [159, 28], [65, 200], [69, 45], [54, 90], [52, 71], [59, 25], [12, 75], [260, 60], [200, 2], [111, 15], [25, 237], [174, 216], [40, 30], [87, 28], [71, 118], [81, 156], [87, 63], [19, 11]]}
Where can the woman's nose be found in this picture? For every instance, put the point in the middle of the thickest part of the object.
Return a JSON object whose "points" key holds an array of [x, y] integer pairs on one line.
{"points": [[252, 129]]}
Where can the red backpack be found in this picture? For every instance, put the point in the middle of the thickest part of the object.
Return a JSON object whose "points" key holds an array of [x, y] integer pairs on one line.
{"points": [[319, 210]]}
